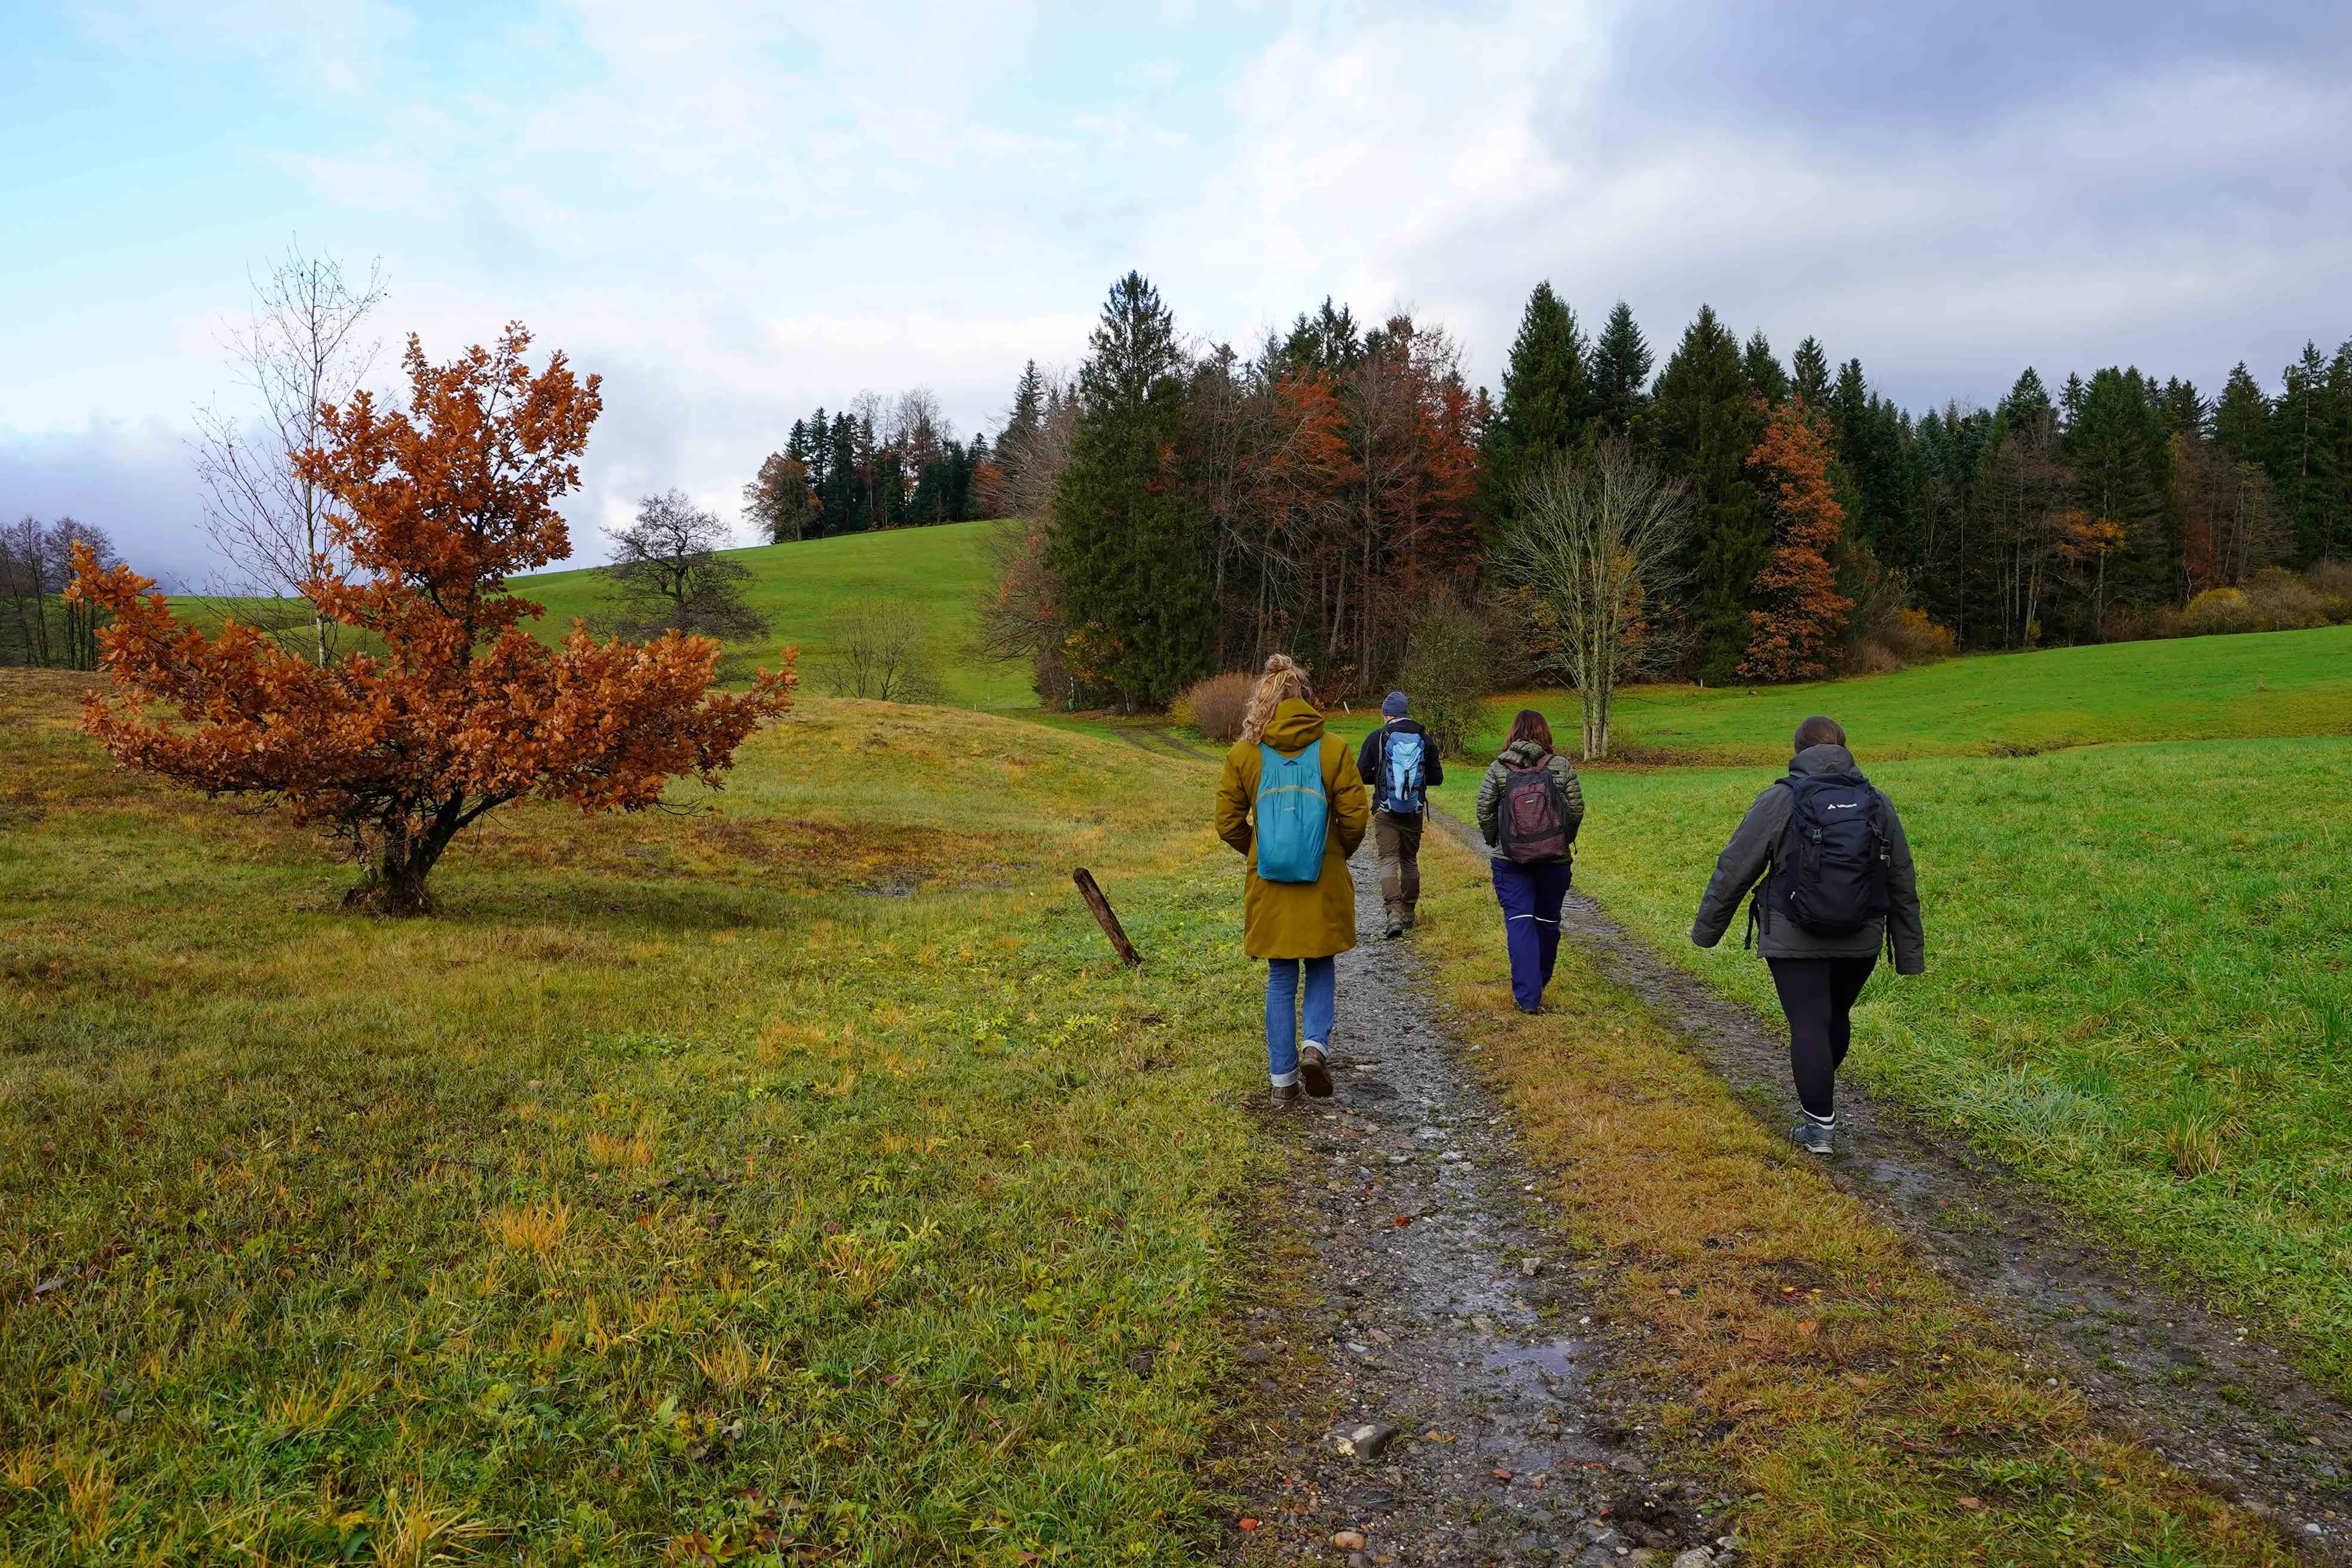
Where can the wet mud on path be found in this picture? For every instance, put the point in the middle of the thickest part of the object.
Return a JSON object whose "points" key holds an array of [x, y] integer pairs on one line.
{"points": [[1458, 1338], [2205, 1391]]}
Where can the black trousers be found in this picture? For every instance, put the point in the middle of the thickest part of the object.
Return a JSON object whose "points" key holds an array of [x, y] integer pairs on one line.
{"points": [[1818, 995]]}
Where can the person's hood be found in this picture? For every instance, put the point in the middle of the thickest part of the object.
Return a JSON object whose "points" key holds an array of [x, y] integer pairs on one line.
{"points": [[1523, 753], [1816, 760], [1295, 725], [1410, 726]]}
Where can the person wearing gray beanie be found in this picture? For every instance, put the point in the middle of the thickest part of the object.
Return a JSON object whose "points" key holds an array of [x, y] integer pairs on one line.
{"points": [[1400, 762]]}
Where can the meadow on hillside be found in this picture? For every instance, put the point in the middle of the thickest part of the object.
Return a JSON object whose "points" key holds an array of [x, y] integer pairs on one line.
{"points": [[2182, 689], [2139, 980], [683, 1180], [943, 571]]}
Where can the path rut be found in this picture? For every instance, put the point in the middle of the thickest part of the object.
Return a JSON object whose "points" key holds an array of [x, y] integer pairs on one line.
{"points": [[2199, 1386], [1451, 1313]]}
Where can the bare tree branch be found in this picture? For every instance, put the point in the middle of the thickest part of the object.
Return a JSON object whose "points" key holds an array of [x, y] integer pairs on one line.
{"points": [[301, 348]]}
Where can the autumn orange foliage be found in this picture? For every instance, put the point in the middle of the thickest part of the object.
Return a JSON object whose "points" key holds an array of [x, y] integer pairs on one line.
{"points": [[1805, 610], [453, 708]]}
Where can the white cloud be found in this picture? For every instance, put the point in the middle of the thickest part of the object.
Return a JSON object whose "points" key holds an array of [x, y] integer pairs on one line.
{"points": [[738, 209]]}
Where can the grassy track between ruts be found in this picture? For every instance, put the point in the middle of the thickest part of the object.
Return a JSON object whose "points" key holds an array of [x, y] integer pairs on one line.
{"points": [[797, 1178], [943, 571], [1866, 1413], [2139, 986]]}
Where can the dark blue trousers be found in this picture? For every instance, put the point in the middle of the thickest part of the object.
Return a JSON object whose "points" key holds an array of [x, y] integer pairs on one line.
{"points": [[1530, 895]]}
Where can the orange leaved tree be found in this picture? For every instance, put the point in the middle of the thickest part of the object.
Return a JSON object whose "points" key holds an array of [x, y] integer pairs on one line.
{"points": [[1805, 610], [452, 709]]}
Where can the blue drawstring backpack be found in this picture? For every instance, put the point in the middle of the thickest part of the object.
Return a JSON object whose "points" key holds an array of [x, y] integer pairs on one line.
{"points": [[1291, 815]]}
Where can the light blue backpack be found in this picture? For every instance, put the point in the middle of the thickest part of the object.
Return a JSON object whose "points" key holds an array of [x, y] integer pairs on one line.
{"points": [[1291, 815], [1407, 779]]}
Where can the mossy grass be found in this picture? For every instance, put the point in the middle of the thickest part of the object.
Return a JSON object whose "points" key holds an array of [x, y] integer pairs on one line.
{"points": [[795, 1174]]}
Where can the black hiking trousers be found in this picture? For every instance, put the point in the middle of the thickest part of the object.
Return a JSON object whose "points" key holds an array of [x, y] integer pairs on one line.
{"points": [[1818, 995]]}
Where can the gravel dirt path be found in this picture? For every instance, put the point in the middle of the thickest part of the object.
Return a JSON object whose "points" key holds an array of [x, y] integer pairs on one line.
{"points": [[2201, 1387], [1451, 1318]]}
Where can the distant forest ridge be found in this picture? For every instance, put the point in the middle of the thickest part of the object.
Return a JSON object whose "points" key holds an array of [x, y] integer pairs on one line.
{"points": [[2064, 513]]}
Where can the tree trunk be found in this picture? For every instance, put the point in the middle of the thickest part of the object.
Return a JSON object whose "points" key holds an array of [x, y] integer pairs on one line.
{"points": [[401, 860]]}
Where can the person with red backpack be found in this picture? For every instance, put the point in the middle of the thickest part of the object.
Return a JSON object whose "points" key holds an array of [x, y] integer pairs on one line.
{"points": [[1837, 886], [1291, 804], [1530, 807]]}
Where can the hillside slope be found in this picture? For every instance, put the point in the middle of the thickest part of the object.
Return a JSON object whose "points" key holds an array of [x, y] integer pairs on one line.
{"points": [[941, 571]]}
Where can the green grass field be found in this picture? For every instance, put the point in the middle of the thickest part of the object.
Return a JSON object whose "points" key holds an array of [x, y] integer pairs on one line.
{"points": [[2188, 688], [2139, 986], [943, 571], [800, 1172], [2140, 954]]}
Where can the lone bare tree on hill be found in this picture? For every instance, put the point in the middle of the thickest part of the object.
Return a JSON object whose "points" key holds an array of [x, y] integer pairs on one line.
{"points": [[669, 576]]}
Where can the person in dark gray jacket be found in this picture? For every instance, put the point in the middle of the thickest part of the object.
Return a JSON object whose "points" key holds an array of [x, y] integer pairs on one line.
{"points": [[1819, 977]]}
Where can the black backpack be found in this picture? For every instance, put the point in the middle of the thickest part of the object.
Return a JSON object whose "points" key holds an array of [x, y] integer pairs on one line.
{"points": [[1830, 872]]}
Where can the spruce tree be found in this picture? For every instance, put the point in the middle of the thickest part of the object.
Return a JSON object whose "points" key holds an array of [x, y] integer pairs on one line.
{"points": [[1765, 376], [1127, 542], [1706, 422], [2309, 460], [2116, 449], [2241, 420], [2184, 408], [2027, 397], [1547, 403], [1878, 473], [2336, 536], [1620, 373], [1328, 341], [1022, 426], [1809, 377]]}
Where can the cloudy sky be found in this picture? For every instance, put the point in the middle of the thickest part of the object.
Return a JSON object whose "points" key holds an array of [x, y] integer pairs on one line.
{"points": [[736, 209]]}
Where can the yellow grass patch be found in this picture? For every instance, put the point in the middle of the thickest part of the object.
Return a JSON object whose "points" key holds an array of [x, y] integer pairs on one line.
{"points": [[536, 1228]]}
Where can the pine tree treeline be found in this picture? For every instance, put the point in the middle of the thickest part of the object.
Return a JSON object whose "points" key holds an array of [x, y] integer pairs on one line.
{"points": [[874, 465], [1190, 512], [2097, 514], [1198, 510]]}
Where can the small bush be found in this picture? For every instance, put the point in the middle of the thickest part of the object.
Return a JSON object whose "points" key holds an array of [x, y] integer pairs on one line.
{"points": [[881, 648], [1214, 706], [1449, 668], [1902, 639], [2285, 602], [2218, 611], [2331, 580]]}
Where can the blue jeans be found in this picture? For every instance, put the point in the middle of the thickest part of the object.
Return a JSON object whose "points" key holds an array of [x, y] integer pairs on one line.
{"points": [[1282, 1012], [1530, 895]]}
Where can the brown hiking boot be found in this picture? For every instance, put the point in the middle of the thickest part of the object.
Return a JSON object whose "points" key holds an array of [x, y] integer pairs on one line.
{"points": [[1315, 1070], [1286, 1095]]}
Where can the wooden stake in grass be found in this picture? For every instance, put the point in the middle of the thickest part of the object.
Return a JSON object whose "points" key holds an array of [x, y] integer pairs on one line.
{"points": [[1104, 915]]}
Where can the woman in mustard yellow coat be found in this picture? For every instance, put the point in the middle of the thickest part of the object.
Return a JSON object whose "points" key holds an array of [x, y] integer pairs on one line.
{"points": [[1295, 925]]}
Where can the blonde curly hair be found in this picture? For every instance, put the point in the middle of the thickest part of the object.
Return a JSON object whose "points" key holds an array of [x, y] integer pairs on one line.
{"points": [[1282, 679]]}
